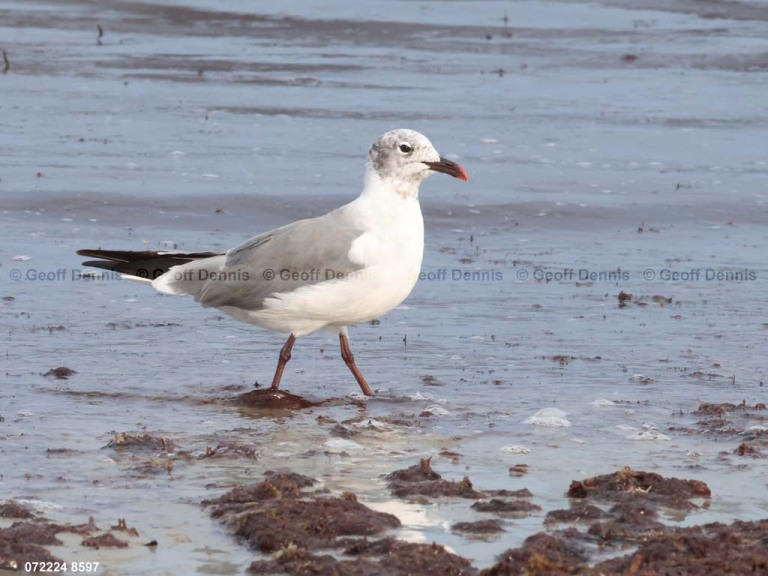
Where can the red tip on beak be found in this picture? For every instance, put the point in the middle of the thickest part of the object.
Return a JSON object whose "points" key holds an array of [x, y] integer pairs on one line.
{"points": [[448, 167]]}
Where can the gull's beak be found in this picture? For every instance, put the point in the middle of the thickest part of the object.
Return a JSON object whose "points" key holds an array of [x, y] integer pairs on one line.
{"points": [[448, 167]]}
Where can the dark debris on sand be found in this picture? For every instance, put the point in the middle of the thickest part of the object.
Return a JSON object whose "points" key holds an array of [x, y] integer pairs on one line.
{"points": [[138, 442], [626, 298], [631, 484], [277, 513], [514, 507], [361, 424], [541, 554], [620, 510], [400, 558], [122, 526], [744, 424], [421, 480], [726, 419], [478, 527], [738, 548], [230, 451], [272, 400], [104, 541], [277, 485], [578, 512], [60, 373], [150, 454], [13, 509], [518, 470], [385, 557], [309, 532], [282, 517], [25, 541]]}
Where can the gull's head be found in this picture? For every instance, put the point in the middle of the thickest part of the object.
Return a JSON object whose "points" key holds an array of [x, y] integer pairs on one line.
{"points": [[407, 157]]}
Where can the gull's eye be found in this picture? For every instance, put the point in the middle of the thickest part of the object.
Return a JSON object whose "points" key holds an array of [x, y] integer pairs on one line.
{"points": [[405, 148]]}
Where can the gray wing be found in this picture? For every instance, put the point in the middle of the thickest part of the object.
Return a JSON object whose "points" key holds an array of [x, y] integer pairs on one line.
{"points": [[300, 254]]}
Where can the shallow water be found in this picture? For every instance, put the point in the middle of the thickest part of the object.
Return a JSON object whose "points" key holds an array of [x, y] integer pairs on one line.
{"points": [[195, 128]]}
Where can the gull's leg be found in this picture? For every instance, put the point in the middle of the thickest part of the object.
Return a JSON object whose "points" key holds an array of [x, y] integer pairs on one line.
{"points": [[349, 360], [285, 355]]}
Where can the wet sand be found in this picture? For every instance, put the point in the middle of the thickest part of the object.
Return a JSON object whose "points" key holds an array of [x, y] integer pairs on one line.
{"points": [[612, 148]]}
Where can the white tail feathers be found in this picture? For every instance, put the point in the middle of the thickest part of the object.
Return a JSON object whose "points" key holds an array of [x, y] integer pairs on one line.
{"points": [[138, 279]]}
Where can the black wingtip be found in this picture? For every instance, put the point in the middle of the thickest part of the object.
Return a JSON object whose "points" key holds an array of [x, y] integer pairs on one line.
{"points": [[103, 264], [140, 263]]}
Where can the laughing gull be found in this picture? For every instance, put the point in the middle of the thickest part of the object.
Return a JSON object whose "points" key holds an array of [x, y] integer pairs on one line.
{"points": [[349, 266]]}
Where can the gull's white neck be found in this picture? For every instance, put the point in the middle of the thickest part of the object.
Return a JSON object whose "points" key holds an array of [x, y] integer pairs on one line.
{"points": [[376, 187], [392, 207]]}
